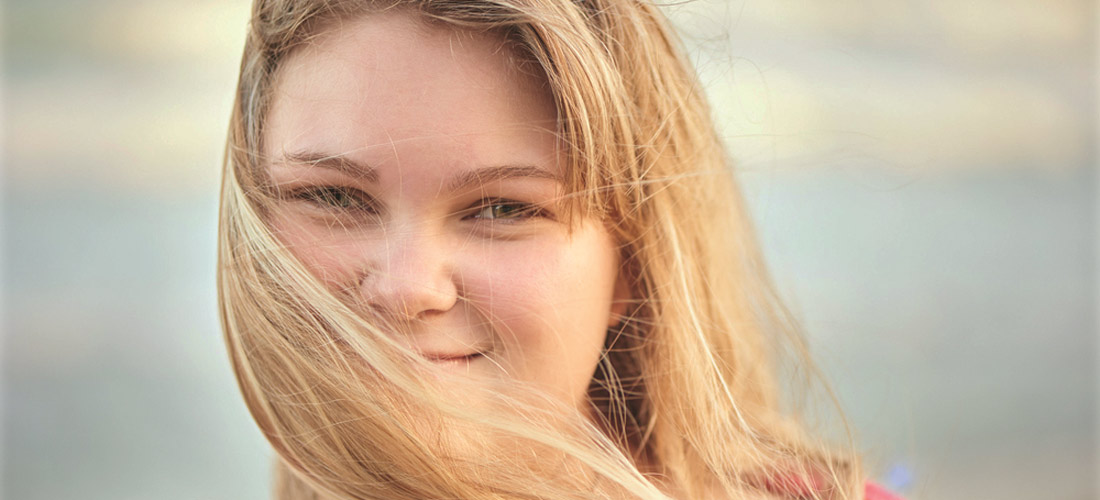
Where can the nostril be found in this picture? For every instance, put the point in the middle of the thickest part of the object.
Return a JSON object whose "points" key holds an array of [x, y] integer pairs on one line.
{"points": [[415, 293]]}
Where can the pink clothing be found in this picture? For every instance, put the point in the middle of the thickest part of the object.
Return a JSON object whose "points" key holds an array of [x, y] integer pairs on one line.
{"points": [[799, 487], [872, 491]]}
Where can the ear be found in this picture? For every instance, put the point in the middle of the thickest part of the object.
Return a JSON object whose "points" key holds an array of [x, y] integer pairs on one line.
{"points": [[620, 300]]}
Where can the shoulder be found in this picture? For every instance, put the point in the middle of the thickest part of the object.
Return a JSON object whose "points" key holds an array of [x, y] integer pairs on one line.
{"points": [[790, 486], [872, 491]]}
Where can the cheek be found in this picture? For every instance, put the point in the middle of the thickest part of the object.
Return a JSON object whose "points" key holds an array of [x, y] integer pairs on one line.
{"points": [[330, 259], [560, 282], [550, 305]]}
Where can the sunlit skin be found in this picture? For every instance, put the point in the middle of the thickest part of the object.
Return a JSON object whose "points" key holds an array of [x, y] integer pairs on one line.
{"points": [[418, 170]]}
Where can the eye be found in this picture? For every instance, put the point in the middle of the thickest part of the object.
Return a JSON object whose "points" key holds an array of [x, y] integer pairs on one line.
{"points": [[335, 197], [499, 209]]}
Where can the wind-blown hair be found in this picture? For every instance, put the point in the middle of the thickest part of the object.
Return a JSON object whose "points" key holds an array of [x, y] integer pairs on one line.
{"points": [[686, 395]]}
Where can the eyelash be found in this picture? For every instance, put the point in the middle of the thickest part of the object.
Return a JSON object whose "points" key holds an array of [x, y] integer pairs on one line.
{"points": [[343, 198], [518, 210], [335, 198]]}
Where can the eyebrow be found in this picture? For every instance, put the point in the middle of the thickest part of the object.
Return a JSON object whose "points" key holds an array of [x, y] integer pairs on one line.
{"points": [[339, 163], [485, 175], [463, 180]]}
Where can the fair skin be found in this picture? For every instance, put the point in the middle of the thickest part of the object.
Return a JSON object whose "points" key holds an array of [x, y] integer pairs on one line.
{"points": [[418, 173]]}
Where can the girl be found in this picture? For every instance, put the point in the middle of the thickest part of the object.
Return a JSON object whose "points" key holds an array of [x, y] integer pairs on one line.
{"points": [[493, 249]]}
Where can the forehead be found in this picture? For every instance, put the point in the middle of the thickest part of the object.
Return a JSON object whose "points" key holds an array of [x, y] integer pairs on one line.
{"points": [[390, 77]]}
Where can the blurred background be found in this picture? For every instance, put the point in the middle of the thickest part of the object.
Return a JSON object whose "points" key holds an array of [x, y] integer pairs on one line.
{"points": [[923, 174]]}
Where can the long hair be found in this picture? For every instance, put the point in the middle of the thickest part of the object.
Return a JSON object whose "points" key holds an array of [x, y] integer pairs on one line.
{"points": [[686, 392]]}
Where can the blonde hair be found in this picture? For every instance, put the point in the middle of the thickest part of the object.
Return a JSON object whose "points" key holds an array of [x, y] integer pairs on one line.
{"points": [[686, 394]]}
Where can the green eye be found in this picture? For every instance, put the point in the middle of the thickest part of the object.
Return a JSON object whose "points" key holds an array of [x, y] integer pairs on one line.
{"points": [[334, 197], [506, 210]]}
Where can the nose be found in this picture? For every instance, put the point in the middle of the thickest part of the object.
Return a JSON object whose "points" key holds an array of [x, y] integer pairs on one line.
{"points": [[410, 276]]}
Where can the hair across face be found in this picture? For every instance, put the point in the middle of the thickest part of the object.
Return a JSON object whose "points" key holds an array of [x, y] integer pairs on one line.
{"points": [[418, 174], [514, 193]]}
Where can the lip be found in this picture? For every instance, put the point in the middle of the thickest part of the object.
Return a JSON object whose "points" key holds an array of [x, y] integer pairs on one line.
{"points": [[452, 358]]}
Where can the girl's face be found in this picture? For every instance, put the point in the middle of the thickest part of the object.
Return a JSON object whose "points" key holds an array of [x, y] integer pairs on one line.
{"points": [[417, 171]]}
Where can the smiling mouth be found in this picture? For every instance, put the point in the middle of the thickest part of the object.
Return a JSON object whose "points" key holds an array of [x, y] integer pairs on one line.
{"points": [[453, 359]]}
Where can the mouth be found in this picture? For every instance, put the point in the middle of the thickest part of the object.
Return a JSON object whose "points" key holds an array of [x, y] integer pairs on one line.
{"points": [[453, 359]]}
